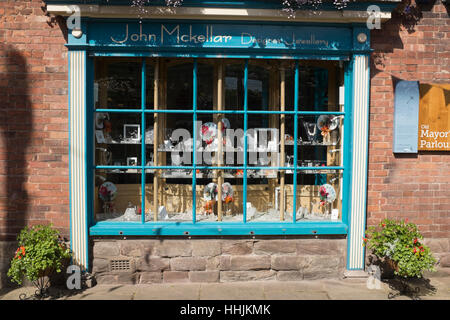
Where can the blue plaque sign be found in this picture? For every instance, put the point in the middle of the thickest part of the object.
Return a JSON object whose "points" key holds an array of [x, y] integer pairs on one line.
{"points": [[406, 117]]}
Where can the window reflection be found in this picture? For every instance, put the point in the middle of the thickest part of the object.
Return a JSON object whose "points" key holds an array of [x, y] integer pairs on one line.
{"points": [[258, 87], [206, 86], [179, 85], [150, 84], [313, 88], [117, 84], [234, 86]]}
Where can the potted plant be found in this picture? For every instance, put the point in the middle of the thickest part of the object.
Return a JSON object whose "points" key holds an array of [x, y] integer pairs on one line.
{"points": [[40, 254], [397, 244]]}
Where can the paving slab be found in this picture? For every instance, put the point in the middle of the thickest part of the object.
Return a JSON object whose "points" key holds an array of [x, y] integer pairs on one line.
{"points": [[296, 295], [105, 292], [297, 290], [305, 285], [182, 291], [354, 290], [232, 291]]}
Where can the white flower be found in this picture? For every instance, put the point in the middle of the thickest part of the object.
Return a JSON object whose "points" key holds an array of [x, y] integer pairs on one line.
{"points": [[391, 248]]}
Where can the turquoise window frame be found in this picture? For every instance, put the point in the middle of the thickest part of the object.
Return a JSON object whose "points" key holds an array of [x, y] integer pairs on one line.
{"points": [[142, 228]]}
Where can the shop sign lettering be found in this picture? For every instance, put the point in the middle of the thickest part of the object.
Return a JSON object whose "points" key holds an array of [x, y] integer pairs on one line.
{"points": [[436, 140], [211, 35]]}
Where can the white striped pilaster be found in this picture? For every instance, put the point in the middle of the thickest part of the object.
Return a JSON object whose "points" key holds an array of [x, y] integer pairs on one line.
{"points": [[355, 259], [77, 159]]}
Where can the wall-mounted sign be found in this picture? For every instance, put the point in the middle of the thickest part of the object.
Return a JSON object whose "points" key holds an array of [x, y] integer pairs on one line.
{"points": [[434, 117], [166, 35], [406, 112]]}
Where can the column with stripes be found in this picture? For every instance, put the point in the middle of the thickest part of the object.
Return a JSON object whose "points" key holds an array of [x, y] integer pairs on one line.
{"points": [[358, 187], [77, 157]]}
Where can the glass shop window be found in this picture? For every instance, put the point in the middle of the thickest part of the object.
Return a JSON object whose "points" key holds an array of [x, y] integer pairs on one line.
{"points": [[212, 140]]}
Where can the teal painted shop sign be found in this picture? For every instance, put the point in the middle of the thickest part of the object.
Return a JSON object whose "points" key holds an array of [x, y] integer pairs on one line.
{"points": [[191, 35]]}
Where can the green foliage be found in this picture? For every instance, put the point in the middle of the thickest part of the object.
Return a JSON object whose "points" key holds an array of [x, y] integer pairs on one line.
{"points": [[41, 251], [399, 241]]}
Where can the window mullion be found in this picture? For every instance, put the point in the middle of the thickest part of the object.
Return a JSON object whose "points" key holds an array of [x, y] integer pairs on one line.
{"points": [[282, 138], [156, 118], [244, 187], [143, 155], [194, 149], [219, 137], [294, 178]]}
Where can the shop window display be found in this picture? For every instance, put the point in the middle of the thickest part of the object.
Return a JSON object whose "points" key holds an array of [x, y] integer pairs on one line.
{"points": [[218, 140]]}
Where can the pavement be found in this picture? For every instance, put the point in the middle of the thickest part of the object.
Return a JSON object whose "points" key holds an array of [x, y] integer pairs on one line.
{"points": [[435, 287]]}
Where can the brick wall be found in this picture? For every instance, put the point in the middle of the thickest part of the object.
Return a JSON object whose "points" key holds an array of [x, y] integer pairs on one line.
{"points": [[408, 186], [34, 120]]}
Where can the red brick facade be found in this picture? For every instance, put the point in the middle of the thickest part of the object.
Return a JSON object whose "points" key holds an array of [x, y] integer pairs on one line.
{"points": [[408, 186], [34, 177], [34, 173]]}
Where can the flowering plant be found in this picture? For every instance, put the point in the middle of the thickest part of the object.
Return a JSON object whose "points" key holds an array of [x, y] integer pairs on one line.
{"points": [[41, 251], [400, 243]]}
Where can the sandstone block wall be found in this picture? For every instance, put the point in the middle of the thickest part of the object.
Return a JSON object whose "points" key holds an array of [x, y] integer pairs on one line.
{"points": [[218, 260]]}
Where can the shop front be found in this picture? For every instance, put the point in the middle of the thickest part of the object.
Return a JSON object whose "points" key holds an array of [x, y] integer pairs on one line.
{"points": [[218, 147]]}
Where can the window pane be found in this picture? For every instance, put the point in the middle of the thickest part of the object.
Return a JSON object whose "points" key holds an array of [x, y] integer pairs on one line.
{"points": [[232, 139], [207, 87], [117, 139], [179, 83], [263, 189], [117, 83], [150, 84], [264, 140], [319, 86], [231, 200], [234, 84], [117, 195], [175, 195], [175, 139], [267, 194], [289, 85], [320, 143], [259, 96], [322, 200]]}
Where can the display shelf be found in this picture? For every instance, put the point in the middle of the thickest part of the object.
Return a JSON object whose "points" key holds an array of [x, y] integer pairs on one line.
{"points": [[128, 171], [312, 171], [126, 143], [308, 143], [226, 176], [211, 176], [215, 150]]}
